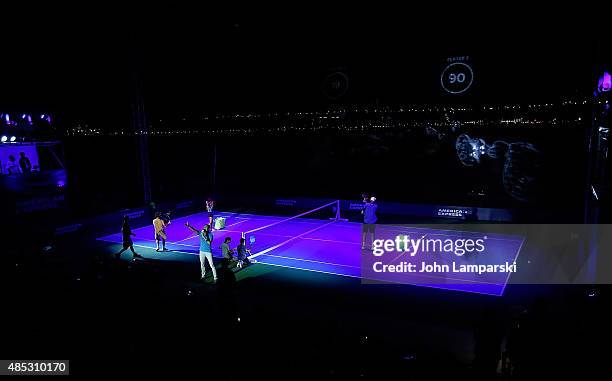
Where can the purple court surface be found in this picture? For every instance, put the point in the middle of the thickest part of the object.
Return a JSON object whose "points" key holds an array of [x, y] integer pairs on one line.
{"points": [[325, 246]]}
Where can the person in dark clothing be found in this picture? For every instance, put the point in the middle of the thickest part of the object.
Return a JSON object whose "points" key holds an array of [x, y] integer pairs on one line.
{"points": [[11, 167], [24, 163], [369, 221], [243, 253], [127, 234]]}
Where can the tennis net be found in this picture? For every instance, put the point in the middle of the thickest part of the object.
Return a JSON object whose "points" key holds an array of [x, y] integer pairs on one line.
{"points": [[279, 232]]}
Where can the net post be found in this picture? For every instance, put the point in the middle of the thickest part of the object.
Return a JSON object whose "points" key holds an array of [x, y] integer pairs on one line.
{"points": [[338, 215]]}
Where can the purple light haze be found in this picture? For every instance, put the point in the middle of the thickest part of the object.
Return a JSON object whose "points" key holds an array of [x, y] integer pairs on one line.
{"points": [[605, 82]]}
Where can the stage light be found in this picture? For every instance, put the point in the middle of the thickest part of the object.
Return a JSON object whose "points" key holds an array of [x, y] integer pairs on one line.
{"points": [[605, 82], [7, 118], [27, 118], [4, 139], [13, 138]]}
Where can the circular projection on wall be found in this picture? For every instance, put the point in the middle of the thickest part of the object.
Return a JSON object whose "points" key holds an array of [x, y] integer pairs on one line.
{"points": [[457, 78], [335, 85], [523, 163], [470, 150]]}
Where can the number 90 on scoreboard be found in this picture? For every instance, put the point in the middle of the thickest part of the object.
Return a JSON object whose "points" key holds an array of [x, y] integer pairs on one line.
{"points": [[457, 77]]}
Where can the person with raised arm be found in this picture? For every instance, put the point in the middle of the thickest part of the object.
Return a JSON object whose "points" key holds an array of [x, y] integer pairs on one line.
{"points": [[206, 238], [369, 220]]}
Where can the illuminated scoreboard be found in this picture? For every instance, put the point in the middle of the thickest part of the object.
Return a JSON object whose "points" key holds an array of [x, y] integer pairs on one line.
{"points": [[457, 76]]}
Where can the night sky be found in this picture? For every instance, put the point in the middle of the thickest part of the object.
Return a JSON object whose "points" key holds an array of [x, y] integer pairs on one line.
{"points": [[203, 61]]}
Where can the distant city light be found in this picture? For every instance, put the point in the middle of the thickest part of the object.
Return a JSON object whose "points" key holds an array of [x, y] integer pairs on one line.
{"points": [[361, 118]]}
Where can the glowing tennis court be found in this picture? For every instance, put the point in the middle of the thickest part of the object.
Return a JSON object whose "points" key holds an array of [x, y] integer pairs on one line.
{"points": [[317, 240]]}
